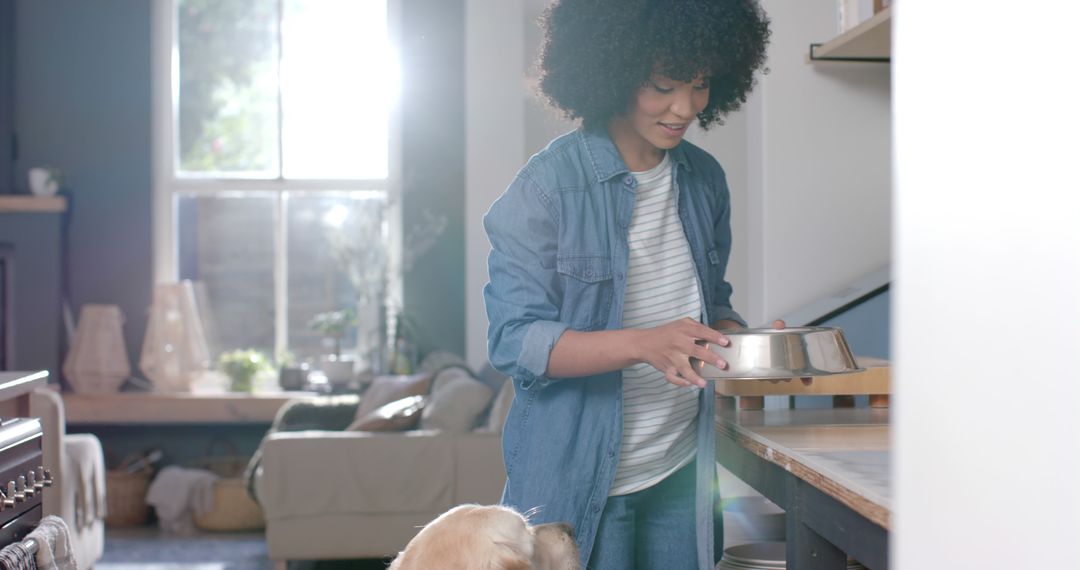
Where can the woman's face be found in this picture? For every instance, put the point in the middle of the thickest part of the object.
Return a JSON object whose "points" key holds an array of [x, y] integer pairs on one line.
{"points": [[664, 109]]}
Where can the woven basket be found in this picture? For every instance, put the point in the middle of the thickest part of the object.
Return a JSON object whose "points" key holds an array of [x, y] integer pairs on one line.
{"points": [[125, 496], [234, 509]]}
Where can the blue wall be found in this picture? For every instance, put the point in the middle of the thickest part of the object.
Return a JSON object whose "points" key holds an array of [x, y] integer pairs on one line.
{"points": [[83, 105], [7, 76]]}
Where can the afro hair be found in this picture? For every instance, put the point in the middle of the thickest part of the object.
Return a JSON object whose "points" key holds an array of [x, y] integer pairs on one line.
{"points": [[596, 54]]}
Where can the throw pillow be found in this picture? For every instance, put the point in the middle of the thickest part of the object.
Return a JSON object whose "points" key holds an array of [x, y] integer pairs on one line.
{"points": [[386, 389], [439, 359], [457, 400], [501, 407], [399, 415]]}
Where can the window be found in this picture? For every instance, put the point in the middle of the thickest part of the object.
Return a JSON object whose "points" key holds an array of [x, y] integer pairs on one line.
{"points": [[276, 176]]}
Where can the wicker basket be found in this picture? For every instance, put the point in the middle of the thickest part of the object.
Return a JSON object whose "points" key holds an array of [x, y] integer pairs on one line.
{"points": [[125, 496], [234, 509]]}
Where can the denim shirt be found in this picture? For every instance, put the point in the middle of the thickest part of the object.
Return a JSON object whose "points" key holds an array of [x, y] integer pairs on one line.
{"points": [[559, 261]]}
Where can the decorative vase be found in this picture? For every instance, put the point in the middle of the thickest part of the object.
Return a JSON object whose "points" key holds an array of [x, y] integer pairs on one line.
{"points": [[98, 360], [174, 349]]}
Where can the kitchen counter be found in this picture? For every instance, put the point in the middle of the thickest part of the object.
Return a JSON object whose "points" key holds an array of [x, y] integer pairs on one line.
{"points": [[15, 388], [827, 468]]}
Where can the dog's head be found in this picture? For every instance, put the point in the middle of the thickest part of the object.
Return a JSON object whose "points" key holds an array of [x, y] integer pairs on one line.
{"points": [[474, 537]]}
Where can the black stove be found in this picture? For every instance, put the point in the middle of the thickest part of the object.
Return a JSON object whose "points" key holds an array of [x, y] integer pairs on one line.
{"points": [[23, 477]]}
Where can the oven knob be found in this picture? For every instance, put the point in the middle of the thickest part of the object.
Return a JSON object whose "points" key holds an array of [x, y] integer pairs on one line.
{"points": [[46, 476], [26, 492], [37, 479], [12, 495], [31, 487]]}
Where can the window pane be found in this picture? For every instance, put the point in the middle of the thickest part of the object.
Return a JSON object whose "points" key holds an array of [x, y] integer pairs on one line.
{"points": [[226, 243], [336, 261], [339, 78], [228, 101]]}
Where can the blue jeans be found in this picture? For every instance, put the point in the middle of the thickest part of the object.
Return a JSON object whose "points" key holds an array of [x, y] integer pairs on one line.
{"points": [[653, 528]]}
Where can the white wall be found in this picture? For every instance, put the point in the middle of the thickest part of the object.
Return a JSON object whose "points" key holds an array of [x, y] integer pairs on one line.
{"points": [[494, 141], [815, 189], [987, 288], [807, 159]]}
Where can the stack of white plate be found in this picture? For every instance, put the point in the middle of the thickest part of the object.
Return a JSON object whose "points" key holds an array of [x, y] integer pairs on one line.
{"points": [[762, 556]]}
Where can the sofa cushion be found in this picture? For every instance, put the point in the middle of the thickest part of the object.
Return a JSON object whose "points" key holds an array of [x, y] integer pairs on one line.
{"points": [[398, 415], [387, 389], [316, 474], [457, 400], [439, 359]]}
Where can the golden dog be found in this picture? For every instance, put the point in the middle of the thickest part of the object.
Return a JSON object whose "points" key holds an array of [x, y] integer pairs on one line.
{"points": [[475, 537]]}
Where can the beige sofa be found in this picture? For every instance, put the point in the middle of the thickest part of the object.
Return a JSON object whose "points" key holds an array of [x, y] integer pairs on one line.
{"points": [[364, 494], [78, 491], [341, 495]]}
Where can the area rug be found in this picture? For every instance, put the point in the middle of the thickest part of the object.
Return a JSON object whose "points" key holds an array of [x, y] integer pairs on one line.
{"points": [[155, 551]]}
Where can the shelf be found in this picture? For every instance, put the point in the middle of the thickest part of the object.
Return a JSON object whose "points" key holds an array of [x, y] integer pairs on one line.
{"points": [[121, 408], [23, 204], [869, 41]]}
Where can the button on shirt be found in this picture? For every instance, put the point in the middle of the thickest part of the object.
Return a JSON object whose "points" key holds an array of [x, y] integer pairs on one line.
{"points": [[559, 257], [659, 418]]}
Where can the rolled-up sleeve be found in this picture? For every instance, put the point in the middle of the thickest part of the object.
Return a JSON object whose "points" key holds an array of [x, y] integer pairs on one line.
{"points": [[523, 295]]}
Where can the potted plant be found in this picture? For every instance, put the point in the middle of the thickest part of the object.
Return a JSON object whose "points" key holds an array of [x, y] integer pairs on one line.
{"points": [[241, 366], [333, 325]]}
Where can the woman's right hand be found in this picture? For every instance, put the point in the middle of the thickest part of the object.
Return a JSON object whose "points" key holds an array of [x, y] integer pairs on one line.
{"points": [[669, 348]]}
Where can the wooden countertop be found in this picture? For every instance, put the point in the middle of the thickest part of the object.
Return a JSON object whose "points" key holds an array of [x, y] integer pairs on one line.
{"points": [[179, 408], [844, 452]]}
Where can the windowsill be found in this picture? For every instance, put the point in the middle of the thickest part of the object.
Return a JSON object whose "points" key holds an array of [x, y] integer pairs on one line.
{"points": [[175, 408]]}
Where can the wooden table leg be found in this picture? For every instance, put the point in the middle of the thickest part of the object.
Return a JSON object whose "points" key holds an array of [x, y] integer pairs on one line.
{"points": [[751, 402], [843, 401]]}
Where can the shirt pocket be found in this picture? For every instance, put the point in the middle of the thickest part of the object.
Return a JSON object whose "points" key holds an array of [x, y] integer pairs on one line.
{"points": [[588, 288]]}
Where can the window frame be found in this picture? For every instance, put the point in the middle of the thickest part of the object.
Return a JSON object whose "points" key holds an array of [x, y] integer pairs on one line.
{"points": [[167, 186]]}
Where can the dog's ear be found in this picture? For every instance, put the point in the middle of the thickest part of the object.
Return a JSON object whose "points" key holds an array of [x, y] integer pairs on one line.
{"points": [[511, 557]]}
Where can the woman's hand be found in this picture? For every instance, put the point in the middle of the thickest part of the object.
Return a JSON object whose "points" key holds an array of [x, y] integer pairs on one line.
{"points": [[780, 324], [669, 348]]}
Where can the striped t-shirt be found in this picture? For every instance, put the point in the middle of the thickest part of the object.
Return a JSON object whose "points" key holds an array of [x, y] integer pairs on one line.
{"points": [[659, 418]]}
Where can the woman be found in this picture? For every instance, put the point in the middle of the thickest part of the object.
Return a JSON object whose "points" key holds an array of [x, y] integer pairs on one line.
{"points": [[608, 254]]}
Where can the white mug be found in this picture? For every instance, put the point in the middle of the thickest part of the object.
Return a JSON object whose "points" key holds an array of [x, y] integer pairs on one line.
{"points": [[44, 181]]}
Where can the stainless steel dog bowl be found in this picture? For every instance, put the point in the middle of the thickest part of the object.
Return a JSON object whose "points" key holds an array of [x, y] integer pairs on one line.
{"points": [[771, 354]]}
